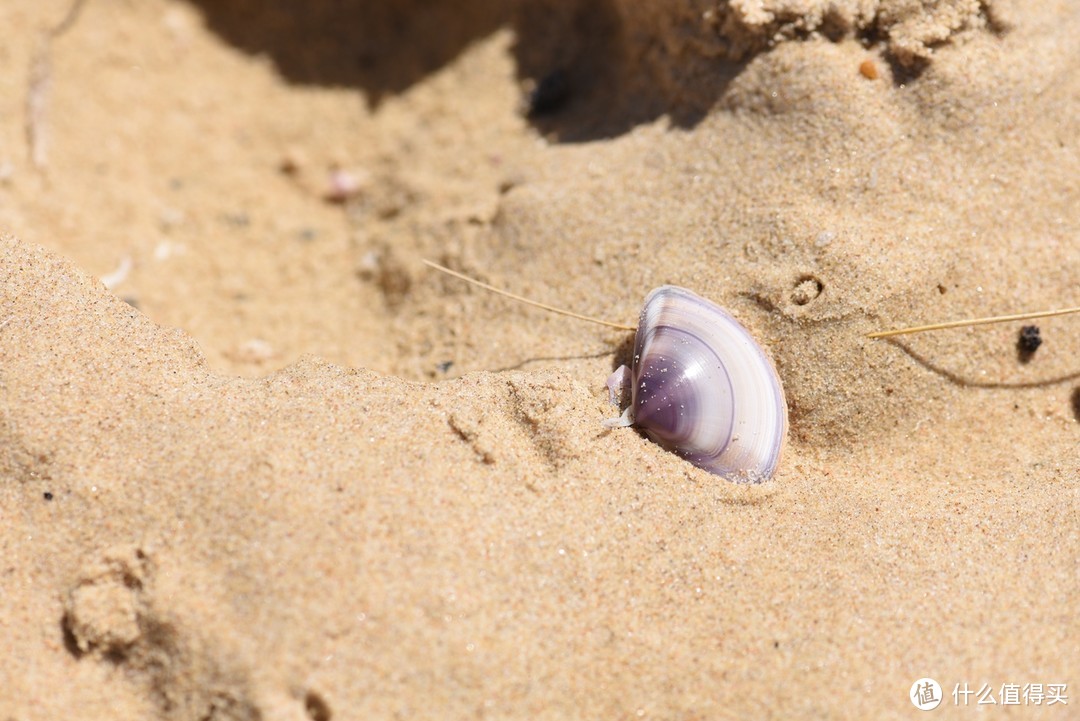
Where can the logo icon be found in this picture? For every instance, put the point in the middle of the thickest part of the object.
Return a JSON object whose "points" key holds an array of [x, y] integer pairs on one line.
{"points": [[925, 694]]}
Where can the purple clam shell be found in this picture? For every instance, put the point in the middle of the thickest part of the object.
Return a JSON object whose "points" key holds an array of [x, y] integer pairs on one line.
{"points": [[703, 388]]}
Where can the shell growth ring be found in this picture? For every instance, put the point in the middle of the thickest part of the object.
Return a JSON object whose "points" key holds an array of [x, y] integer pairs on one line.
{"points": [[703, 388]]}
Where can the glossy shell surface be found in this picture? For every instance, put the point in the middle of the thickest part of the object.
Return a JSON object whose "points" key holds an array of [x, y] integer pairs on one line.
{"points": [[702, 387]]}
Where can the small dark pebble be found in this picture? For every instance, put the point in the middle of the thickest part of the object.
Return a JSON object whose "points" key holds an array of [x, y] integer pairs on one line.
{"points": [[444, 366], [1029, 340], [316, 707], [550, 94], [48, 495]]}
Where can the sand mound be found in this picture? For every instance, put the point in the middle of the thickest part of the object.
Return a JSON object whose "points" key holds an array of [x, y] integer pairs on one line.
{"points": [[910, 29]]}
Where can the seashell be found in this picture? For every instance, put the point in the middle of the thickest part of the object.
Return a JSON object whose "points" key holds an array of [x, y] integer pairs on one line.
{"points": [[703, 388], [700, 385]]}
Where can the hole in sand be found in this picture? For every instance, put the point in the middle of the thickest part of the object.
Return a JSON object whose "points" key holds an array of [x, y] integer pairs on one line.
{"points": [[71, 644], [806, 289]]}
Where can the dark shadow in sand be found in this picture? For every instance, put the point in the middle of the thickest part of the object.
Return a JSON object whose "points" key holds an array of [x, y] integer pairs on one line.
{"points": [[379, 46], [961, 380], [575, 62]]}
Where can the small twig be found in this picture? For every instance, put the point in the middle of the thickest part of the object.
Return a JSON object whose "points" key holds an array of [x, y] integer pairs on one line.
{"points": [[973, 321], [37, 95], [69, 19], [526, 301]]}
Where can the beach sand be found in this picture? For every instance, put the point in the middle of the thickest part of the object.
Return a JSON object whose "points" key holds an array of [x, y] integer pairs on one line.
{"points": [[278, 469]]}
